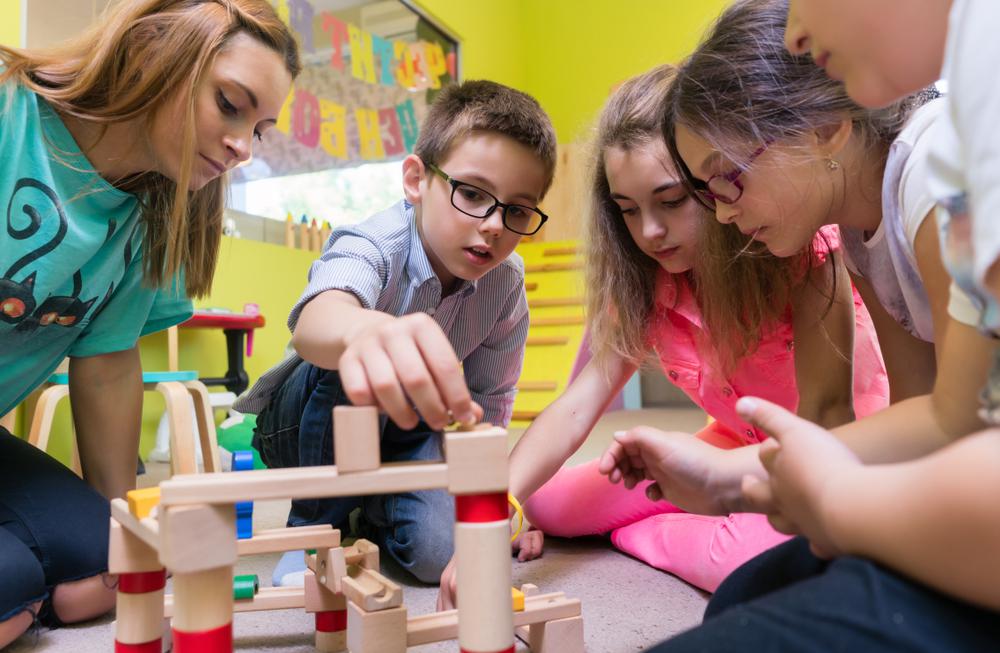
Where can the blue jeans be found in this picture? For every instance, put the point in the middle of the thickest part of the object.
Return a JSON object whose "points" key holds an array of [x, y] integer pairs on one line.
{"points": [[296, 430], [788, 600], [53, 528]]}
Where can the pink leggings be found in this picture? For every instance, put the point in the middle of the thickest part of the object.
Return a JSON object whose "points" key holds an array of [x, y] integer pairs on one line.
{"points": [[700, 549]]}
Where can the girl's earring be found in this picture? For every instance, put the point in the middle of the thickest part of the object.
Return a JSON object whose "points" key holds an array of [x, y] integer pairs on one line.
{"points": [[832, 164]]}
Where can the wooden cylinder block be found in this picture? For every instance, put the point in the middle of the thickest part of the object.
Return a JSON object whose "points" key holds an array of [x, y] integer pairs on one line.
{"points": [[139, 617], [203, 600], [483, 570]]}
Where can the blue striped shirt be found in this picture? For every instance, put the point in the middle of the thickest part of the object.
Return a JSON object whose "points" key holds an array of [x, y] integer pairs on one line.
{"points": [[382, 262]]}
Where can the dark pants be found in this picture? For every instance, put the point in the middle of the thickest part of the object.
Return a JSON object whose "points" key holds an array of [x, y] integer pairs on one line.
{"points": [[53, 528], [296, 430], [786, 599]]}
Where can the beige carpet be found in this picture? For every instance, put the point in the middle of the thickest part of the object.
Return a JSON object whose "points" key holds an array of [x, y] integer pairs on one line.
{"points": [[627, 606]]}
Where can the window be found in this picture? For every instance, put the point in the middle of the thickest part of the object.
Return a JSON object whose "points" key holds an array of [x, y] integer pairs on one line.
{"points": [[370, 70]]}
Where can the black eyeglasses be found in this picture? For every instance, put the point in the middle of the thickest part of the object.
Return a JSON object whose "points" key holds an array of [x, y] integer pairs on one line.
{"points": [[478, 203], [727, 187]]}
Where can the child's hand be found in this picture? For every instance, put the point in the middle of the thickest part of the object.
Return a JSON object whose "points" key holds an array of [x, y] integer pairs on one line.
{"points": [[679, 464], [448, 593], [807, 464], [529, 544], [407, 363]]}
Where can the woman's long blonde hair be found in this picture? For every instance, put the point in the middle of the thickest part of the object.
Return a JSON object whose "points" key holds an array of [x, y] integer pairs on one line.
{"points": [[126, 67], [739, 295]]}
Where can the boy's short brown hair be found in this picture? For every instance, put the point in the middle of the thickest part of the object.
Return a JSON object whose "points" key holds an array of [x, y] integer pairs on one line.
{"points": [[485, 106]]}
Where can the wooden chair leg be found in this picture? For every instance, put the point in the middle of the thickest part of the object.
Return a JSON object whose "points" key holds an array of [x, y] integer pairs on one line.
{"points": [[179, 418], [206, 425], [41, 423]]}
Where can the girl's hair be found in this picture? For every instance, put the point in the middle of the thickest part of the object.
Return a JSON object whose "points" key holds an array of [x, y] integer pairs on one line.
{"points": [[741, 88], [620, 277], [737, 295], [127, 66]]}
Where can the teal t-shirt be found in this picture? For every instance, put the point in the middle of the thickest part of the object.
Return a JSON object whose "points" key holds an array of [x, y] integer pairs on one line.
{"points": [[70, 253]]}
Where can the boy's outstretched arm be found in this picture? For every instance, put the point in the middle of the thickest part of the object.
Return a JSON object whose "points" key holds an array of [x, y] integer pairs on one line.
{"points": [[934, 519], [397, 363]]}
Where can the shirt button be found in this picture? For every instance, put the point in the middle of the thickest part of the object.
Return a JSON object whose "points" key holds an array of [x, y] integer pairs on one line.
{"points": [[790, 345], [727, 391], [749, 433], [431, 311], [672, 374]]}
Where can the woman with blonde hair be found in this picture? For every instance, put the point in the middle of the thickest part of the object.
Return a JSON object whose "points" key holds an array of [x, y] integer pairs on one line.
{"points": [[116, 146]]}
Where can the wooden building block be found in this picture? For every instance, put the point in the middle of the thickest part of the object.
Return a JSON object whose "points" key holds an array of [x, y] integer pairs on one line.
{"points": [[356, 439], [203, 600], [477, 461], [363, 554], [517, 598], [141, 502], [331, 642], [128, 553], [559, 636], [376, 632], [483, 570], [331, 568], [371, 590], [301, 483], [139, 617], [194, 538], [290, 539], [319, 598]]}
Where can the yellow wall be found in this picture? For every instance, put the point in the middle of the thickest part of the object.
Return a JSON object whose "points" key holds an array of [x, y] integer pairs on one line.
{"points": [[569, 54], [10, 23]]}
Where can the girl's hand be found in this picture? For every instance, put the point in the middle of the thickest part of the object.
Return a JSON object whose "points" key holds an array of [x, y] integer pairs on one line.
{"points": [[529, 544], [681, 466], [807, 467]]}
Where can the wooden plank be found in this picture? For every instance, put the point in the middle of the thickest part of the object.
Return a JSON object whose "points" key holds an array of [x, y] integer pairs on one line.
{"points": [[442, 626], [525, 415], [543, 302], [147, 530], [547, 341], [530, 285], [537, 386], [290, 539], [268, 598], [552, 267], [301, 483]]}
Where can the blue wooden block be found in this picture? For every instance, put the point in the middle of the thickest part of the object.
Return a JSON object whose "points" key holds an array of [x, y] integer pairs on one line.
{"points": [[242, 461], [244, 528]]}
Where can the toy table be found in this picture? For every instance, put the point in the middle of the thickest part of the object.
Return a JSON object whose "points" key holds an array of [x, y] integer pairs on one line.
{"points": [[238, 328]]}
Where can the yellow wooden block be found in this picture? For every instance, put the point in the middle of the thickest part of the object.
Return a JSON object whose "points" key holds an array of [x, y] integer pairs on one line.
{"points": [[141, 502], [518, 598]]}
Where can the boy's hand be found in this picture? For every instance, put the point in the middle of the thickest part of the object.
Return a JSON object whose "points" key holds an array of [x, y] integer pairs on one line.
{"points": [[528, 546], [407, 363], [448, 593], [679, 464], [806, 466]]}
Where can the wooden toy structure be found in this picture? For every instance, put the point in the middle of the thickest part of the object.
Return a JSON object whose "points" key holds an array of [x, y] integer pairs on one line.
{"points": [[188, 525]]}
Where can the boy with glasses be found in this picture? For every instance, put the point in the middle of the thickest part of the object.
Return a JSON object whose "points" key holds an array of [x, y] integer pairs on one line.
{"points": [[419, 310]]}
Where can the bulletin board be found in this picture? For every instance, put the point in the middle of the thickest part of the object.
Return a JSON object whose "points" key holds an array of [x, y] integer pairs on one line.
{"points": [[371, 68]]}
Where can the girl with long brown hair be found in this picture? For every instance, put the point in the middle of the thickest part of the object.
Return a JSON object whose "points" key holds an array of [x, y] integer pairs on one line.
{"points": [[656, 280], [115, 148]]}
